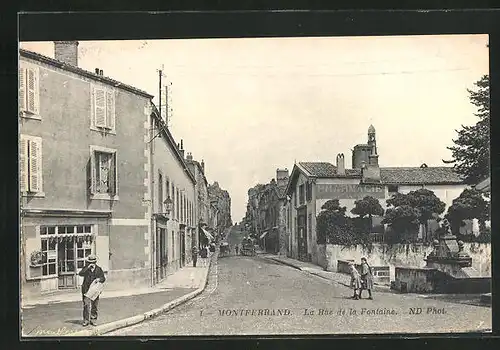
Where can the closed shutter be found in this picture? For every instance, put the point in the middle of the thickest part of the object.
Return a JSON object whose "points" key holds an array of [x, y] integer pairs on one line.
{"points": [[100, 107], [23, 164], [110, 109], [34, 165], [31, 90], [22, 89], [102, 252], [36, 90], [113, 179]]}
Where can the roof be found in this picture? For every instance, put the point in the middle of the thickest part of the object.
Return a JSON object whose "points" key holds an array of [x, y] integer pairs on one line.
{"points": [[484, 185], [195, 163], [326, 170], [420, 175], [170, 140], [390, 175], [82, 72]]}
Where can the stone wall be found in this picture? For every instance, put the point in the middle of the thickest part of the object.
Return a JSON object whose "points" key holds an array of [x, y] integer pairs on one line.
{"points": [[404, 255]]}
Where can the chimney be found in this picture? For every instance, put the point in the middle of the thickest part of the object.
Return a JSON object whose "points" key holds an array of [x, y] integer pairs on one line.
{"points": [[97, 71], [189, 156], [340, 164], [181, 149], [282, 177], [203, 166], [101, 73], [67, 52]]}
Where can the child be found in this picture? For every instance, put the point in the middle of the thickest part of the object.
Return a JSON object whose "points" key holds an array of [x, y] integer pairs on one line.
{"points": [[366, 278], [355, 281]]}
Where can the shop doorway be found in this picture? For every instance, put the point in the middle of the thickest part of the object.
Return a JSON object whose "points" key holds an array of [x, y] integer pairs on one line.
{"points": [[161, 253]]}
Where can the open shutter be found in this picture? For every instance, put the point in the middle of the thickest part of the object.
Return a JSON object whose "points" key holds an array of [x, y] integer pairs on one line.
{"points": [[34, 159], [36, 92], [38, 142], [31, 92], [22, 89], [102, 252], [92, 173], [110, 109], [23, 164], [112, 175], [100, 107]]}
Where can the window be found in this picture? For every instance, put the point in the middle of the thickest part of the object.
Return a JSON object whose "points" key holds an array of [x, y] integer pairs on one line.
{"points": [[103, 173], [173, 245], [173, 201], [309, 226], [160, 192], [167, 187], [29, 102], [30, 164], [177, 205], [309, 192], [393, 188], [59, 245], [295, 199], [103, 109], [301, 194]]}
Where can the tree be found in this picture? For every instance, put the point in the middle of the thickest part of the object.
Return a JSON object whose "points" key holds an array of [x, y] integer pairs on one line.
{"points": [[368, 206], [471, 152], [469, 205], [427, 204], [403, 221], [333, 226]]}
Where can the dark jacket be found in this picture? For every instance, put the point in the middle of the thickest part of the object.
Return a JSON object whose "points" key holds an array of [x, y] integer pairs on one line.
{"points": [[89, 277]]}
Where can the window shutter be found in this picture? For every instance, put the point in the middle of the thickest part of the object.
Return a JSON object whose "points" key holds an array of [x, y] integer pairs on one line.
{"points": [[36, 92], [113, 180], [100, 107], [92, 173], [102, 252], [30, 100], [23, 164], [34, 159], [110, 109], [22, 89]]}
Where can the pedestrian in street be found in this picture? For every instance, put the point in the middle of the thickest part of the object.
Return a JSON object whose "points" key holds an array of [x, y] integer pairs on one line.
{"points": [[203, 255], [236, 248], [91, 273], [194, 255], [366, 278], [355, 281]]}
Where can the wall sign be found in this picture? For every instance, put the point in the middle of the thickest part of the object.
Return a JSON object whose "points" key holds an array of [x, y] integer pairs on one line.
{"points": [[349, 191]]}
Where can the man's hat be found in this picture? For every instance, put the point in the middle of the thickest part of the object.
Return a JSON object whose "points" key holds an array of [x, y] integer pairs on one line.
{"points": [[91, 258]]}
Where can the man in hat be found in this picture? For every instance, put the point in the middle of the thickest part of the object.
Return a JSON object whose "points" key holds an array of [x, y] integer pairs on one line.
{"points": [[90, 273]]}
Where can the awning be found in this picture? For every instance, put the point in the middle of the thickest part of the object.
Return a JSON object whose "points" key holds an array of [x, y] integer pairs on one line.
{"points": [[484, 185], [207, 234], [263, 235]]}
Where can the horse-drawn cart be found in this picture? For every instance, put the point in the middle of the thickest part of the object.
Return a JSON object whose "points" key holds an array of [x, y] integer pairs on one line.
{"points": [[247, 247], [224, 249]]}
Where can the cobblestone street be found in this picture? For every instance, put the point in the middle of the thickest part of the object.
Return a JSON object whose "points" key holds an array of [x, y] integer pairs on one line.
{"points": [[253, 295]]}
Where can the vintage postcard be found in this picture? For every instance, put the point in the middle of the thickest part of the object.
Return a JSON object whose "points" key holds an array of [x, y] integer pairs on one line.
{"points": [[255, 186]]}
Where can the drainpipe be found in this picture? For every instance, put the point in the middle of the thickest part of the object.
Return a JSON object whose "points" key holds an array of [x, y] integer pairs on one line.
{"points": [[152, 240]]}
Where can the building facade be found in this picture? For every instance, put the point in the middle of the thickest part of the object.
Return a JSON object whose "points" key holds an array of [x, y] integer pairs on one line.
{"points": [[312, 184], [202, 204], [220, 208], [173, 198], [82, 179]]}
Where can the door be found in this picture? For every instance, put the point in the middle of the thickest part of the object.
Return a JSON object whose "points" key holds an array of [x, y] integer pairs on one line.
{"points": [[158, 270], [302, 223], [163, 252], [66, 264], [183, 248]]}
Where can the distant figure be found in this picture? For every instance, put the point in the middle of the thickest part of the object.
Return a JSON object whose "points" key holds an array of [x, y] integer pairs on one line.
{"points": [[212, 247], [355, 281], [236, 248], [194, 254], [91, 273], [366, 278]]}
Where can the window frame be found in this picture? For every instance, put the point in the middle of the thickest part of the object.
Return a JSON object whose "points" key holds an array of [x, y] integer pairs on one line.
{"points": [[23, 91], [93, 175], [109, 111], [25, 168]]}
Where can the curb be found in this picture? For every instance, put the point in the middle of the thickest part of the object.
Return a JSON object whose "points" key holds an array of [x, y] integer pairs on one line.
{"points": [[129, 321]]}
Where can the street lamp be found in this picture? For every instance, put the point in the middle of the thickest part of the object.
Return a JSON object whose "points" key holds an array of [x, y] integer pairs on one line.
{"points": [[168, 204]]}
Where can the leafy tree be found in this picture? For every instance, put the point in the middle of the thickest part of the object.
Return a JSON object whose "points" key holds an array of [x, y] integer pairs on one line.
{"points": [[333, 226], [368, 206], [471, 152], [427, 204], [469, 205], [403, 221], [397, 200]]}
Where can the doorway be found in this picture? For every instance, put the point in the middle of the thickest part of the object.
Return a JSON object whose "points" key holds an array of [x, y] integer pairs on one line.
{"points": [[161, 253], [302, 225], [183, 248]]}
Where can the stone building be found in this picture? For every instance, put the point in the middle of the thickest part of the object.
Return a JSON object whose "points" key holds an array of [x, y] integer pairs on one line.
{"points": [[266, 213], [312, 184], [202, 204], [220, 208], [171, 185], [83, 185]]}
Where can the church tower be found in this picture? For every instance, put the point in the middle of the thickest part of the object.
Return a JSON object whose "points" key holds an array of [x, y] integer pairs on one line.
{"points": [[371, 172], [372, 142]]}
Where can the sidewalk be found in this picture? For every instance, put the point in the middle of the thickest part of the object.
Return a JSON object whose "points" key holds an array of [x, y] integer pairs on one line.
{"points": [[340, 278], [59, 315]]}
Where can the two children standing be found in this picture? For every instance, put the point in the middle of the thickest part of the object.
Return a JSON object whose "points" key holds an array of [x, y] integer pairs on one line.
{"points": [[361, 281]]}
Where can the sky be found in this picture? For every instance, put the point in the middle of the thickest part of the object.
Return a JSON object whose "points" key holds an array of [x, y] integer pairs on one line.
{"points": [[248, 106]]}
